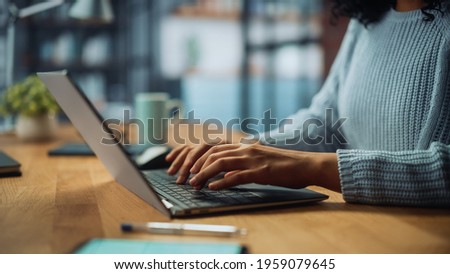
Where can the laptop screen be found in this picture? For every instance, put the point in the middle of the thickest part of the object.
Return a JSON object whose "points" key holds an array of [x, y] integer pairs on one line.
{"points": [[99, 137]]}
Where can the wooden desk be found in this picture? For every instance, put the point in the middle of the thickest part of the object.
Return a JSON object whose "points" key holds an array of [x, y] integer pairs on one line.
{"points": [[60, 202]]}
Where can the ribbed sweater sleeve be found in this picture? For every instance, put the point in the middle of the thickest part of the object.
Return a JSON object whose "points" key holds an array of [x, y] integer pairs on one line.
{"points": [[410, 178]]}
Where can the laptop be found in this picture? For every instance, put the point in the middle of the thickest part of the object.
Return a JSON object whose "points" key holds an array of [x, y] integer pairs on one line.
{"points": [[156, 187]]}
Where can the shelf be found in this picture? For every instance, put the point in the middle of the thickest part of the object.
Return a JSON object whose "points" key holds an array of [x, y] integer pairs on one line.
{"points": [[78, 67], [49, 24], [195, 12], [192, 12], [278, 44]]}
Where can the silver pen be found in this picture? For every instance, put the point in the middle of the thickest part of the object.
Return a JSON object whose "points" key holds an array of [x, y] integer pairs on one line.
{"points": [[185, 229]]}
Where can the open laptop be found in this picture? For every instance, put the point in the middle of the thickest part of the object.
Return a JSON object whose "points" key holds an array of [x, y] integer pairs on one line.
{"points": [[156, 187]]}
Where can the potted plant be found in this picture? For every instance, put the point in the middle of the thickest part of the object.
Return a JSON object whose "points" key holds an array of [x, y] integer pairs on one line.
{"points": [[34, 107]]}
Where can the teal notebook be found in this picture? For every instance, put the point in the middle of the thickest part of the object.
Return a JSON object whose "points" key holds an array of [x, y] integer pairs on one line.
{"points": [[122, 246]]}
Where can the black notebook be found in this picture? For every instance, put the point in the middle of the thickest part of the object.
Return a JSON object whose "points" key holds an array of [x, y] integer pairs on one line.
{"points": [[8, 166], [82, 149]]}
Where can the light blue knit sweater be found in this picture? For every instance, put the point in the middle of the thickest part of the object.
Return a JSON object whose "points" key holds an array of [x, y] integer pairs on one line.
{"points": [[391, 81]]}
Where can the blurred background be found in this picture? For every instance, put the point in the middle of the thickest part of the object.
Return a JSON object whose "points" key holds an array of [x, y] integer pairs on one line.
{"points": [[224, 59]]}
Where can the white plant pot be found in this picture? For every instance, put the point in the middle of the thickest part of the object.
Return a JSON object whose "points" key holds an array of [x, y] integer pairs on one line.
{"points": [[36, 128]]}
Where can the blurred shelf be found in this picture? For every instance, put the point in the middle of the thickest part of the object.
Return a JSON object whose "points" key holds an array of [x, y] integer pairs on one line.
{"points": [[278, 44], [79, 67], [194, 12], [69, 24]]}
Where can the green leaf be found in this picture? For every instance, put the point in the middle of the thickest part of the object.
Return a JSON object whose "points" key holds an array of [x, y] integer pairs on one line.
{"points": [[28, 97]]}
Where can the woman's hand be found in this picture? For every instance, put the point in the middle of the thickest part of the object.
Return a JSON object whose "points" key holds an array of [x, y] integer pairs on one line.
{"points": [[265, 165], [183, 158]]}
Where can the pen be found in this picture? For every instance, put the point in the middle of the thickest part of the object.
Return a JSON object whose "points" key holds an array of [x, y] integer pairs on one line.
{"points": [[185, 229]]}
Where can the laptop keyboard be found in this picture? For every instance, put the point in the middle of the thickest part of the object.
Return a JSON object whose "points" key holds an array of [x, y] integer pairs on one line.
{"points": [[185, 195]]}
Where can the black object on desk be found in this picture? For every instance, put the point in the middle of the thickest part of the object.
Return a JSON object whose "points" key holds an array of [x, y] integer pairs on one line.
{"points": [[82, 149], [145, 156], [8, 166]]}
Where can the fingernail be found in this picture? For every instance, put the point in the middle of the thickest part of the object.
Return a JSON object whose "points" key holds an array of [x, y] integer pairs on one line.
{"points": [[212, 186], [180, 179], [193, 181]]}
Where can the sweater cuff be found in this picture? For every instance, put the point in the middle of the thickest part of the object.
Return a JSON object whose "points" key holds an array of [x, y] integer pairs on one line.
{"points": [[349, 185]]}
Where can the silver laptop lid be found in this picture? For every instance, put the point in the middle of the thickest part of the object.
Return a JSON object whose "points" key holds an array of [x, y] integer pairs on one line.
{"points": [[88, 121]]}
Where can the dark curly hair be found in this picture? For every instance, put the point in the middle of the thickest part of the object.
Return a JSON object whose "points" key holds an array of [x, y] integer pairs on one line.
{"points": [[370, 11]]}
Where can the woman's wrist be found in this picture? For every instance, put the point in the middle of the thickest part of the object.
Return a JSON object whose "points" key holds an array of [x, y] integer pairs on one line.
{"points": [[328, 171]]}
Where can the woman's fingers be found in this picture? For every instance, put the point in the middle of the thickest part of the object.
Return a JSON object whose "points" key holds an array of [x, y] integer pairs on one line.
{"points": [[201, 161], [231, 173], [178, 161], [219, 166], [190, 160], [174, 153], [235, 178], [212, 158]]}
